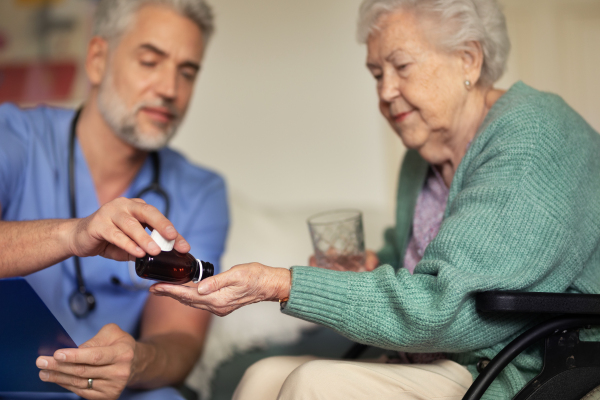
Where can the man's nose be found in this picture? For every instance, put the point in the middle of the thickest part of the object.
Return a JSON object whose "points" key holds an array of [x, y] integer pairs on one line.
{"points": [[389, 87], [166, 85]]}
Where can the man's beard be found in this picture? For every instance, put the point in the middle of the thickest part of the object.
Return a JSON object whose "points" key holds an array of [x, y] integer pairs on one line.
{"points": [[123, 121]]}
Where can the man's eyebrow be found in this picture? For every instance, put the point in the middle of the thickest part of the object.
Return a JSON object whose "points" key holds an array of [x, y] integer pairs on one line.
{"points": [[154, 49], [162, 53]]}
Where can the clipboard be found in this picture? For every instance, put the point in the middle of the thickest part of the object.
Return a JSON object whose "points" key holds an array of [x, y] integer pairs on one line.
{"points": [[27, 330]]}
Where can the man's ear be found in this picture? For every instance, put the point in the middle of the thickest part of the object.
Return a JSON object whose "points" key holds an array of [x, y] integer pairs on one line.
{"points": [[96, 61], [472, 58]]}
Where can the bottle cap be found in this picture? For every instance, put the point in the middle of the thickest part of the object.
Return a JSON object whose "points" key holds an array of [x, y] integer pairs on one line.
{"points": [[199, 272], [205, 270], [164, 244]]}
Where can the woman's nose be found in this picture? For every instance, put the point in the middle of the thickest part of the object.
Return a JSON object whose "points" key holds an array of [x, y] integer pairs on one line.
{"points": [[389, 88]]}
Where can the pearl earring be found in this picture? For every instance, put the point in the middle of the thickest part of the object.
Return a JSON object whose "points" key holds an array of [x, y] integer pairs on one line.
{"points": [[468, 84]]}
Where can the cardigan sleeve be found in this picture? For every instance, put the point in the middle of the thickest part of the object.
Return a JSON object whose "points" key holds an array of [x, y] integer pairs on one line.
{"points": [[389, 253], [433, 310], [507, 228]]}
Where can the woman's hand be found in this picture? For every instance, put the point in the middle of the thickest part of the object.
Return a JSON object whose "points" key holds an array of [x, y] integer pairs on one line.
{"points": [[371, 262], [107, 358], [116, 231], [224, 293]]}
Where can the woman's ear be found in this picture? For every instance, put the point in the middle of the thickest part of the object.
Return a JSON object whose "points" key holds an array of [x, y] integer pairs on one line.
{"points": [[472, 59], [96, 60]]}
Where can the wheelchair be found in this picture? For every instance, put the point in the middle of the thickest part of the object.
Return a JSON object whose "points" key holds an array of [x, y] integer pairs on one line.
{"points": [[571, 369]]}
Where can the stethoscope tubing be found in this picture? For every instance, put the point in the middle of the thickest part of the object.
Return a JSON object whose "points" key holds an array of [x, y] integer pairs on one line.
{"points": [[81, 291]]}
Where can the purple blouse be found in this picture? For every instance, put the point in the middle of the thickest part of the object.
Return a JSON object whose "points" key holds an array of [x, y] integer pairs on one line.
{"points": [[429, 213]]}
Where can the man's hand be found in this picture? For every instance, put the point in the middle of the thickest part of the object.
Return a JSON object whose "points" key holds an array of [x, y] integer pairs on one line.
{"points": [[108, 358], [224, 293], [371, 262], [116, 231]]}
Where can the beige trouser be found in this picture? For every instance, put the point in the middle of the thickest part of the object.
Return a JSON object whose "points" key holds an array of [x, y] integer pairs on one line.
{"points": [[308, 377]]}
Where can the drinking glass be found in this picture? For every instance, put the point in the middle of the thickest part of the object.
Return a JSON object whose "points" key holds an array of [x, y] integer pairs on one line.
{"points": [[338, 239]]}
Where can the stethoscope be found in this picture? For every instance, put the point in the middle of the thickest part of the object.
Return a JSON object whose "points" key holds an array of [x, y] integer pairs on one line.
{"points": [[82, 301]]}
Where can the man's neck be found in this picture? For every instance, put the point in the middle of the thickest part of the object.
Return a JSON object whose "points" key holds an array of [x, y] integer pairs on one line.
{"points": [[113, 163]]}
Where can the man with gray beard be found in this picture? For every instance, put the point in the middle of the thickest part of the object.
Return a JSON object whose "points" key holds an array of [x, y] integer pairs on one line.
{"points": [[87, 183]]}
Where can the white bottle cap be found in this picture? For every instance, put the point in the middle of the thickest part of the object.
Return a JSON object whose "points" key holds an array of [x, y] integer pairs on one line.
{"points": [[164, 244]]}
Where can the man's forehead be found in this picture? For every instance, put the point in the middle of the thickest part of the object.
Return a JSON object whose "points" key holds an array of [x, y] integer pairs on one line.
{"points": [[166, 30]]}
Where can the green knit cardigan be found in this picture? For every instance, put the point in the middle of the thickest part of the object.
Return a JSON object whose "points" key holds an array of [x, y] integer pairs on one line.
{"points": [[523, 213]]}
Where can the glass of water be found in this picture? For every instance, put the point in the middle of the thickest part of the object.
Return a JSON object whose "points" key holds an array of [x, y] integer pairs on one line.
{"points": [[338, 239]]}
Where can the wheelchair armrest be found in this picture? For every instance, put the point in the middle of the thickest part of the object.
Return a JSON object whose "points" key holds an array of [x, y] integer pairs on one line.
{"points": [[537, 302]]}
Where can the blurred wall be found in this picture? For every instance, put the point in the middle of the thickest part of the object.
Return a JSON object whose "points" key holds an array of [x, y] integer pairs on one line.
{"points": [[33, 31], [556, 48], [285, 107]]}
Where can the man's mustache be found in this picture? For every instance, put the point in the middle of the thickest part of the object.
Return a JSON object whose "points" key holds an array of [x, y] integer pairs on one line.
{"points": [[158, 103]]}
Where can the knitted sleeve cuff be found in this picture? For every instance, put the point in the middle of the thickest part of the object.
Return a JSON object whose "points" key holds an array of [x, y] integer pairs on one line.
{"points": [[318, 295]]}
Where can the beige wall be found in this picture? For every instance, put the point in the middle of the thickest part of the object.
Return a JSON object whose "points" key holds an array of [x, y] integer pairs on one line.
{"points": [[556, 47], [285, 108]]}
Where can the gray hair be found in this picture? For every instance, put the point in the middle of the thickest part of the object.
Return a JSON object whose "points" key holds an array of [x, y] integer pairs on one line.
{"points": [[460, 21], [113, 17]]}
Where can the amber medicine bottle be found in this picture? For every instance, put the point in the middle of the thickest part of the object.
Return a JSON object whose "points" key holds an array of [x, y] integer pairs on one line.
{"points": [[171, 266]]}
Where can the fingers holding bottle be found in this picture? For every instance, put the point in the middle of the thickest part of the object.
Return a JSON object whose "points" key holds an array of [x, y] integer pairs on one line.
{"points": [[117, 231]]}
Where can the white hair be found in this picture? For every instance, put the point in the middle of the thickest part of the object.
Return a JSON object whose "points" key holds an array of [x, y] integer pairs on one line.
{"points": [[113, 17], [459, 22]]}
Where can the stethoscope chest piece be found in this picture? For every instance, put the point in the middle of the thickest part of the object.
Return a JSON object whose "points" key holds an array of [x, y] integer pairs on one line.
{"points": [[82, 303]]}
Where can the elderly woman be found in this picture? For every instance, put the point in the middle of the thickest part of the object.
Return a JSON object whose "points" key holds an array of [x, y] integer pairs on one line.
{"points": [[499, 190]]}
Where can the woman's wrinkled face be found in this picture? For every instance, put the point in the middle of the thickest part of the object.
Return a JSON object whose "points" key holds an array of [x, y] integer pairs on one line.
{"points": [[421, 88]]}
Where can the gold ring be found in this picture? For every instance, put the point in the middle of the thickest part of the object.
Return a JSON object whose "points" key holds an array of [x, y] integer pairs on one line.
{"points": [[90, 383]]}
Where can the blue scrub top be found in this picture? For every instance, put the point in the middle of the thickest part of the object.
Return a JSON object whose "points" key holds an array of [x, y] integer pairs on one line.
{"points": [[34, 185]]}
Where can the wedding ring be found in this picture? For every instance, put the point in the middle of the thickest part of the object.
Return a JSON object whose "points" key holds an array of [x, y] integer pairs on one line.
{"points": [[90, 383]]}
